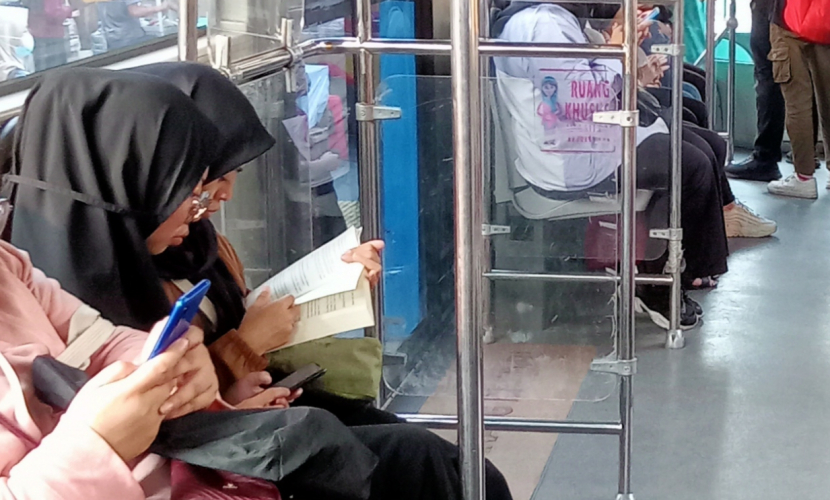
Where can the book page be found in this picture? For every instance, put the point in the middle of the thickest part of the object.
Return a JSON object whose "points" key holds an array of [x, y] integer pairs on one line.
{"points": [[335, 314], [318, 274]]}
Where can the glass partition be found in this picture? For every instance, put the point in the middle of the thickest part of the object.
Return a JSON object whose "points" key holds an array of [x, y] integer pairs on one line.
{"points": [[544, 334], [270, 219]]}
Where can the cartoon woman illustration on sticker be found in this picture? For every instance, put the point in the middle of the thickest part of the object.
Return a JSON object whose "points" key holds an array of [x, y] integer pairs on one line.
{"points": [[549, 109]]}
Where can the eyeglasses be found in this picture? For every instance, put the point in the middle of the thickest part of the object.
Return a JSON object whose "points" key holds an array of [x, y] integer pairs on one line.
{"points": [[198, 206]]}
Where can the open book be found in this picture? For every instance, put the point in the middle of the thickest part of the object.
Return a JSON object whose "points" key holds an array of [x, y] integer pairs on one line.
{"points": [[334, 296], [338, 313], [319, 274]]}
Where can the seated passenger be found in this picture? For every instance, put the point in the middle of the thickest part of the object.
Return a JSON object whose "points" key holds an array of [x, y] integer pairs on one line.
{"points": [[709, 211], [240, 339], [84, 453], [108, 171]]}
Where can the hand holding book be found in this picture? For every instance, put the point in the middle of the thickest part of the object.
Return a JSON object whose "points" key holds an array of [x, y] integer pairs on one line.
{"points": [[332, 286], [368, 254], [268, 324]]}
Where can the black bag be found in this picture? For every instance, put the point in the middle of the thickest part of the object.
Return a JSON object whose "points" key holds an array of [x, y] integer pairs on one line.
{"points": [[307, 449]]}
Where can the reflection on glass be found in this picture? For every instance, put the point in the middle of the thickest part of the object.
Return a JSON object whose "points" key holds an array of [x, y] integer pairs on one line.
{"points": [[16, 43], [36, 35]]}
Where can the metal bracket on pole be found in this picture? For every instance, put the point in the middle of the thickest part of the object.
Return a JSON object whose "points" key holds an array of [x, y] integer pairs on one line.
{"points": [[621, 118], [371, 113], [490, 229], [675, 234], [671, 49], [292, 77], [623, 368]]}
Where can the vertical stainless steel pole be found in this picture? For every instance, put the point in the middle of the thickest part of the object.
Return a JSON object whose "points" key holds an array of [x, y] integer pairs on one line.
{"points": [[484, 252], [368, 163], [465, 70], [674, 337], [188, 33], [710, 61], [625, 344], [732, 26]]}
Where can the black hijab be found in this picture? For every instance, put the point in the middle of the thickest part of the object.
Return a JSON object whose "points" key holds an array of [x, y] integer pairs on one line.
{"points": [[101, 159], [243, 139]]}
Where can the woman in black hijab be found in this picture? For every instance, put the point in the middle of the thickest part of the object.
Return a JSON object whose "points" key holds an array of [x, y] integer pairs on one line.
{"points": [[108, 168], [201, 255], [206, 255]]}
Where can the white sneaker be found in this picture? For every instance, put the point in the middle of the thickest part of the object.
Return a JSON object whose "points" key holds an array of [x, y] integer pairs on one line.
{"points": [[743, 222], [795, 187]]}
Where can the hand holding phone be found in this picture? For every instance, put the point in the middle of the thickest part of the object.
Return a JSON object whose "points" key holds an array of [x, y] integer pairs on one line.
{"points": [[182, 314], [301, 377]]}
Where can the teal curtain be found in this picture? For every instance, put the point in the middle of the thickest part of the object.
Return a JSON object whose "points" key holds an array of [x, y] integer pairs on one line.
{"points": [[694, 13]]}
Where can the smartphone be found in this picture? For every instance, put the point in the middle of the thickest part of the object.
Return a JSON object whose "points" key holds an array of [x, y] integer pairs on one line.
{"points": [[654, 14], [301, 377], [183, 312]]}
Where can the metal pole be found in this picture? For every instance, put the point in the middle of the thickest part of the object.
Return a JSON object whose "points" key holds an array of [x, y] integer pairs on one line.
{"points": [[465, 64], [188, 34], [732, 26], [640, 279], [625, 342], [512, 424], [484, 253], [702, 56], [710, 61], [674, 337], [368, 164]]}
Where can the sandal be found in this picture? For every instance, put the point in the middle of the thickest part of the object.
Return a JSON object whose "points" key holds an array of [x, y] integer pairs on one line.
{"points": [[704, 283]]}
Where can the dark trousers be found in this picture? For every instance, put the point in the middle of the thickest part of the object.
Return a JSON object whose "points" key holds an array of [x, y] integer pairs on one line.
{"points": [[414, 463], [768, 98], [705, 191]]}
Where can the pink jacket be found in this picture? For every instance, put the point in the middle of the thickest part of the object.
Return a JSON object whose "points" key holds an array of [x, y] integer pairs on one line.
{"points": [[58, 459]]}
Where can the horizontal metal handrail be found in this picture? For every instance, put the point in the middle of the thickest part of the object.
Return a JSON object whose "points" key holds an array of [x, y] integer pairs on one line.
{"points": [[276, 60], [515, 424], [641, 279]]}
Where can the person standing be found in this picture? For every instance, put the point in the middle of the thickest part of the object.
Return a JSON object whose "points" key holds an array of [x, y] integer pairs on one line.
{"points": [[46, 19], [800, 56], [762, 165], [121, 24]]}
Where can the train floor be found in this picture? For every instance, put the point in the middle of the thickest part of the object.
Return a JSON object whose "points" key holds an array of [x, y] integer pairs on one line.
{"points": [[739, 413]]}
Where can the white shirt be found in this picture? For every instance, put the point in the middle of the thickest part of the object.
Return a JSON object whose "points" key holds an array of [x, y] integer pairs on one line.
{"points": [[519, 82]]}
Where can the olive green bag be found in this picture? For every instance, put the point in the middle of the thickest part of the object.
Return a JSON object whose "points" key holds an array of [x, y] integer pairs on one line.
{"points": [[353, 366]]}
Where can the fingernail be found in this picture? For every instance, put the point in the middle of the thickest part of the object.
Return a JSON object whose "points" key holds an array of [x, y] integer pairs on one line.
{"points": [[166, 408], [182, 344]]}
